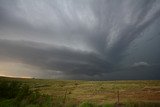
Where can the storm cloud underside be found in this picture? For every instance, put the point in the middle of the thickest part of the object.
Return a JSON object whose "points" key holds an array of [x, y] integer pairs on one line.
{"points": [[80, 39]]}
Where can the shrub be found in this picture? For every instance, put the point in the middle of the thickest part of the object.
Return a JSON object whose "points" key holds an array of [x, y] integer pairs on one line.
{"points": [[9, 90], [20, 95]]}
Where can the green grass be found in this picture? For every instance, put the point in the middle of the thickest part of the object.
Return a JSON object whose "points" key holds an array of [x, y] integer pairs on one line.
{"points": [[143, 104], [7, 103]]}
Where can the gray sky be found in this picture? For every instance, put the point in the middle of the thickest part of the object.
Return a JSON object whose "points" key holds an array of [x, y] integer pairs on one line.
{"points": [[80, 39]]}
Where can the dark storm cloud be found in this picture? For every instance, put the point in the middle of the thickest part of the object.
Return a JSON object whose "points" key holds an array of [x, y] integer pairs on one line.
{"points": [[54, 58], [84, 39]]}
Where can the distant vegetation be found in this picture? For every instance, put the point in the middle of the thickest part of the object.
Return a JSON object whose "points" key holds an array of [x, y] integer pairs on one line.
{"points": [[54, 93]]}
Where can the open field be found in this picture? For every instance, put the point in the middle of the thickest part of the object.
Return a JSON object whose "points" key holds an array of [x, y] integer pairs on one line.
{"points": [[99, 92]]}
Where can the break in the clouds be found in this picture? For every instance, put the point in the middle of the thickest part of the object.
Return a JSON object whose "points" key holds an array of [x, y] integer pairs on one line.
{"points": [[80, 39]]}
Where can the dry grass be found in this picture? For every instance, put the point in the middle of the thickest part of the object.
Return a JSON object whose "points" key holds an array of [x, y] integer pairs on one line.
{"points": [[97, 91]]}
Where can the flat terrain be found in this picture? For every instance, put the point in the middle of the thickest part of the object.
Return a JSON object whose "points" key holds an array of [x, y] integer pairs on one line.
{"points": [[96, 91]]}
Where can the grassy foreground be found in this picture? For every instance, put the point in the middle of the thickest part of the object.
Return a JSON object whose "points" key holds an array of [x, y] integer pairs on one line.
{"points": [[74, 93]]}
